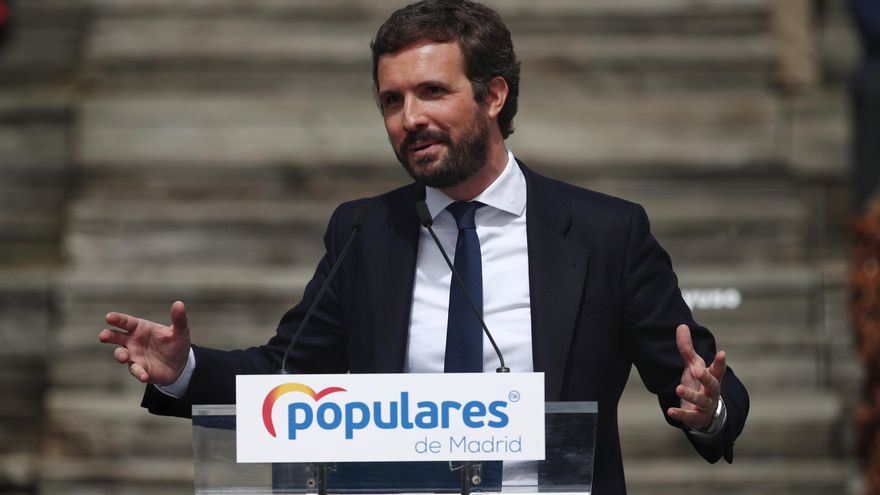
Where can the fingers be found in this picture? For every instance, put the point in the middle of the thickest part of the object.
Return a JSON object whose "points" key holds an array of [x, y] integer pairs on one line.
{"points": [[686, 348], [700, 400], [122, 320], [138, 372], [179, 321], [710, 378], [701, 390], [694, 419], [121, 355], [685, 345], [719, 366], [114, 336]]}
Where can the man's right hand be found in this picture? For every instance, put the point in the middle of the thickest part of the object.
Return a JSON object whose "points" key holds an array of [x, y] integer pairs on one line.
{"points": [[154, 353]]}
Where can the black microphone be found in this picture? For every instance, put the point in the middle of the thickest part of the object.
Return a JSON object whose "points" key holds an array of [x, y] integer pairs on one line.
{"points": [[356, 225], [425, 217]]}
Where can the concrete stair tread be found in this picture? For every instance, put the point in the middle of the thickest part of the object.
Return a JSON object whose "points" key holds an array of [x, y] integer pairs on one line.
{"points": [[767, 373], [249, 41], [249, 46], [360, 8], [747, 475], [293, 211], [33, 126], [767, 407], [771, 205], [766, 279], [41, 103], [43, 46], [793, 425], [716, 16], [192, 278], [752, 476], [714, 130], [153, 471]]}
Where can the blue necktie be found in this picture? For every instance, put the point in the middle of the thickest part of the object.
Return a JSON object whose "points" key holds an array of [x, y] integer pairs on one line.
{"points": [[464, 335]]}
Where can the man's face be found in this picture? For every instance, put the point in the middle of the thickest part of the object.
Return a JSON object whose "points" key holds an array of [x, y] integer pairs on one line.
{"points": [[438, 131]]}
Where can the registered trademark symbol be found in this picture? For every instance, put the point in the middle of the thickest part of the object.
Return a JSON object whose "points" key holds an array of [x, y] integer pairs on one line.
{"points": [[513, 396]]}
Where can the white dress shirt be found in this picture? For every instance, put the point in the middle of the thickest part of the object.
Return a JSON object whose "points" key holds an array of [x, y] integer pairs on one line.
{"points": [[501, 227]]}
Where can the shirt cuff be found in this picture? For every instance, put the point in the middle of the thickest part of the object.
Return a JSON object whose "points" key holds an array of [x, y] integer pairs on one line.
{"points": [[178, 388], [715, 428]]}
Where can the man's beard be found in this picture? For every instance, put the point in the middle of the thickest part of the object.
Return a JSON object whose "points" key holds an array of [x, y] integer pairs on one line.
{"points": [[464, 157]]}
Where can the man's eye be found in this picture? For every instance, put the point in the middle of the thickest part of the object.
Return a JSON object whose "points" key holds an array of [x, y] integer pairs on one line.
{"points": [[435, 90], [391, 100]]}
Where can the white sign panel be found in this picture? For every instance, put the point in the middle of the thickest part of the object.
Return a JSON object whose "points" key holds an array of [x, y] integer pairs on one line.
{"points": [[390, 417]]}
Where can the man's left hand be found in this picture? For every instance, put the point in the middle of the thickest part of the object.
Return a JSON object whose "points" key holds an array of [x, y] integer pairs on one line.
{"points": [[700, 386]]}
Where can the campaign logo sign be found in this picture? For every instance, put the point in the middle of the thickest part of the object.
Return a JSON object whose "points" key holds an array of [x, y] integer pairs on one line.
{"points": [[390, 417]]}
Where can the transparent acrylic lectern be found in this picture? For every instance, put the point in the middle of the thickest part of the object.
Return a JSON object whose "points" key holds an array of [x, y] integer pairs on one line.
{"points": [[568, 467]]}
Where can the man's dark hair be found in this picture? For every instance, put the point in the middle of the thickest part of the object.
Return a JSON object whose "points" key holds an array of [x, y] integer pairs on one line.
{"points": [[479, 30]]}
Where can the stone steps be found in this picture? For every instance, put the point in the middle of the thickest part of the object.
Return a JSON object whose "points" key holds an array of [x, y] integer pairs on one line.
{"points": [[26, 335], [303, 128], [250, 233], [37, 63], [44, 42], [171, 475], [264, 214], [770, 227], [34, 173], [212, 140], [253, 43], [743, 477], [798, 425]]}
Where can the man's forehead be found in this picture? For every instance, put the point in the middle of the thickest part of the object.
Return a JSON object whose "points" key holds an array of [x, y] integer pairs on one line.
{"points": [[422, 54]]}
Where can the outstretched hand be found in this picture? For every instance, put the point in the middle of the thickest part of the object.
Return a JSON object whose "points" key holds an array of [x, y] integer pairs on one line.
{"points": [[154, 353], [700, 386]]}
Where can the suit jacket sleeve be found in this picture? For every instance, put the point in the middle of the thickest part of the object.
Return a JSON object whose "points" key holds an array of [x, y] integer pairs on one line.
{"points": [[653, 309], [320, 348]]}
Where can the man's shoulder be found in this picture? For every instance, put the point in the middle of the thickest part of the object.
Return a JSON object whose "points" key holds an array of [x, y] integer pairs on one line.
{"points": [[576, 199], [394, 199], [397, 205], [411, 192]]}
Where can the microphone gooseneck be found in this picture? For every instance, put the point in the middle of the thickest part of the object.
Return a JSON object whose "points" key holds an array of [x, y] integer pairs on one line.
{"points": [[357, 224], [426, 221]]}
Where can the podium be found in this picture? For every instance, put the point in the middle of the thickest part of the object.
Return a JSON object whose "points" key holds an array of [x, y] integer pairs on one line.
{"points": [[570, 432]]}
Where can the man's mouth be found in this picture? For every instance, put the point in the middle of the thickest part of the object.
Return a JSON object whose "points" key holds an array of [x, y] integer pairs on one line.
{"points": [[423, 148], [424, 144]]}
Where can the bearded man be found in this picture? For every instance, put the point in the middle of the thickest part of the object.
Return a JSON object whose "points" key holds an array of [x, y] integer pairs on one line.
{"points": [[571, 281]]}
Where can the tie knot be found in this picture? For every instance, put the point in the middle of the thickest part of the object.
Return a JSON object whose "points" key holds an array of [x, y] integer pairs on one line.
{"points": [[464, 213]]}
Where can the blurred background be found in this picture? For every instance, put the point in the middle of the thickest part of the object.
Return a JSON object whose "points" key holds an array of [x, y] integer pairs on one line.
{"points": [[194, 149]]}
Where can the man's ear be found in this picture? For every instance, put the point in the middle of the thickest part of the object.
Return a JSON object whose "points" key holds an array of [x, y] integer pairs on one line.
{"points": [[496, 96]]}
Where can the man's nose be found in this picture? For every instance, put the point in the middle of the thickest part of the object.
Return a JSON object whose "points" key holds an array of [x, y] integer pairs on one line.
{"points": [[413, 115]]}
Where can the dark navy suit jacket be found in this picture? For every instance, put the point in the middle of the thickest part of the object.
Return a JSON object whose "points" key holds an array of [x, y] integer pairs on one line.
{"points": [[604, 297]]}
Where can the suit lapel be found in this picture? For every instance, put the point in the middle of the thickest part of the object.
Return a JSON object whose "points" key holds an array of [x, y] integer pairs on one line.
{"points": [[390, 259], [557, 274]]}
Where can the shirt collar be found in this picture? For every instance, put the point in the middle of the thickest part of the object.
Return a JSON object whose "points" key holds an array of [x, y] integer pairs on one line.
{"points": [[506, 193]]}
